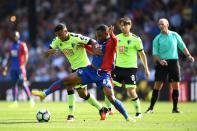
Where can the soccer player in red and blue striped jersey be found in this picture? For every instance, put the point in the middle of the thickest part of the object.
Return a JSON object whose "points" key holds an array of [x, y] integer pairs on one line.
{"points": [[17, 61]]}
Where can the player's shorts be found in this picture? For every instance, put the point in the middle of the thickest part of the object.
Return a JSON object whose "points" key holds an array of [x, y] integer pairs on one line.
{"points": [[18, 75], [80, 85], [91, 75], [124, 75], [172, 71]]}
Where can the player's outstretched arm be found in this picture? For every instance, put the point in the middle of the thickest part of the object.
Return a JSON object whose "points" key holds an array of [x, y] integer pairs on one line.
{"points": [[96, 50], [51, 52], [110, 30], [112, 35], [145, 63]]}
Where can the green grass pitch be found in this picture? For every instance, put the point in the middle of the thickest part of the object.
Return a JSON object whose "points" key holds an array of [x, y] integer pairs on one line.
{"points": [[23, 118]]}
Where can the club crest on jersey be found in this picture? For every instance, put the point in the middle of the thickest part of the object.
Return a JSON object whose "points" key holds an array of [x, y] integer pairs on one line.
{"points": [[60, 44], [14, 53], [129, 42], [68, 52], [80, 72], [73, 45]]}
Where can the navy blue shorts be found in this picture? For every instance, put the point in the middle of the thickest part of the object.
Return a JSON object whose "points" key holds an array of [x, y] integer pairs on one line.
{"points": [[91, 75]]}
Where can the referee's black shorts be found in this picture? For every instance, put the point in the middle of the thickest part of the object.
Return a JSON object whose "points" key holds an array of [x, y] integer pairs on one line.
{"points": [[171, 71]]}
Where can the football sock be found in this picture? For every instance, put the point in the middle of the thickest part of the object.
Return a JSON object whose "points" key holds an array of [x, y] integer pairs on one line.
{"points": [[154, 98], [27, 91], [55, 86], [108, 103], [175, 96], [136, 104], [15, 93], [118, 105], [71, 102], [92, 101]]}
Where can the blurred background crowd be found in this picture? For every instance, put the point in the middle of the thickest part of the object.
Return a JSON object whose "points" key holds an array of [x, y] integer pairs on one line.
{"points": [[81, 16]]}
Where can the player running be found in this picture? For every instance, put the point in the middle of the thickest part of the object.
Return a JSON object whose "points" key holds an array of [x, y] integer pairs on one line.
{"points": [[99, 70], [71, 45], [18, 57]]}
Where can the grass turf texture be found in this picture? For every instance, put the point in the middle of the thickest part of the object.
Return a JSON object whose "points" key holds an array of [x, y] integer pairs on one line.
{"points": [[23, 118]]}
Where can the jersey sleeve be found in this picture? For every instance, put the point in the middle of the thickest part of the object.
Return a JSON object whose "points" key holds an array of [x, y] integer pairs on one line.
{"points": [[114, 39], [155, 46], [139, 44], [181, 44], [80, 39], [54, 43], [23, 49], [89, 49]]}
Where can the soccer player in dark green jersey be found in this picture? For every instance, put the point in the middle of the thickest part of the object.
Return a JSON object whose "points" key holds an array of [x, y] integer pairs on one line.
{"points": [[71, 45], [165, 53], [129, 47]]}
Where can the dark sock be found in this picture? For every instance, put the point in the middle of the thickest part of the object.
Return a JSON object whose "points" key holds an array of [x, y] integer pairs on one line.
{"points": [[15, 93], [175, 96], [154, 98]]}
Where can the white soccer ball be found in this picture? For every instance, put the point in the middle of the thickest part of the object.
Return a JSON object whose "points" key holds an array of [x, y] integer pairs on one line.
{"points": [[43, 115]]}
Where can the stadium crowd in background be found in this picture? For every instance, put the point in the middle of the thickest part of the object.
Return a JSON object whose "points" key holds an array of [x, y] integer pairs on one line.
{"points": [[85, 14]]}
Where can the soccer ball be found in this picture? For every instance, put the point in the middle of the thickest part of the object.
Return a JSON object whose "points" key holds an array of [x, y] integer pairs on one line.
{"points": [[43, 115]]}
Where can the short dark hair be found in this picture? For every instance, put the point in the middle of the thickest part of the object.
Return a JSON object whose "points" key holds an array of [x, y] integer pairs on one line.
{"points": [[125, 20], [102, 27], [59, 27]]}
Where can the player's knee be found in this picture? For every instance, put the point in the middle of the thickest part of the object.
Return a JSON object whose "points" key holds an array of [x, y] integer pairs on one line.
{"points": [[158, 85], [85, 96], [132, 94], [111, 98]]}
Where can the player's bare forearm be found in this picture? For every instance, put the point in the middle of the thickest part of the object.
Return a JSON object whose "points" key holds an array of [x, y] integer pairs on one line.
{"points": [[89, 49], [188, 55], [145, 63], [160, 61], [6, 66], [50, 52], [112, 35], [156, 58], [95, 47]]}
